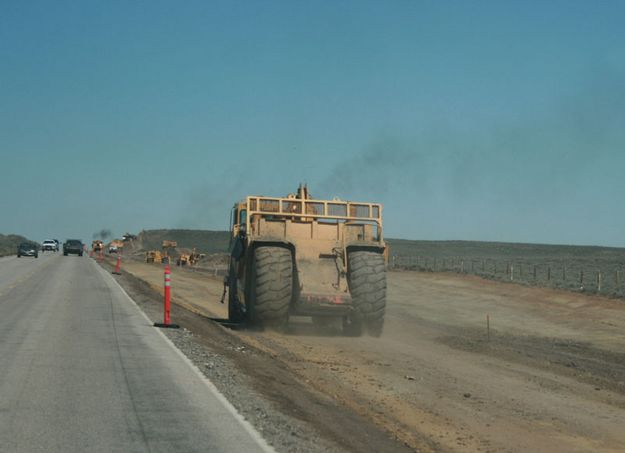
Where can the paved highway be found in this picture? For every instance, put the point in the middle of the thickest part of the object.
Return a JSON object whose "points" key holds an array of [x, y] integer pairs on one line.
{"points": [[82, 369]]}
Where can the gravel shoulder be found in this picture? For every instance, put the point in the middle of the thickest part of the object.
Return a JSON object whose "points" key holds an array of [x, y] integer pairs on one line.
{"points": [[291, 416], [551, 376]]}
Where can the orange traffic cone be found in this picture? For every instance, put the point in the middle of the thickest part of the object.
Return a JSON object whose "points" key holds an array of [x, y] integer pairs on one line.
{"points": [[118, 265]]}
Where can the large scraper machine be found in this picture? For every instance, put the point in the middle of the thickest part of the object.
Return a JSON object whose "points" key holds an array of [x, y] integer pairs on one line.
{"points": [[299, 256]]}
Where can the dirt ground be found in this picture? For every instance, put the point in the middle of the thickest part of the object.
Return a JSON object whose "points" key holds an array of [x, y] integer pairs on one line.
{"points": [[549, 375]]}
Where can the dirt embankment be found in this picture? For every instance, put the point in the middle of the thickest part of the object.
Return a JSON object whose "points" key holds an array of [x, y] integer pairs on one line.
{"points": [[548, 376], [9, 243]]}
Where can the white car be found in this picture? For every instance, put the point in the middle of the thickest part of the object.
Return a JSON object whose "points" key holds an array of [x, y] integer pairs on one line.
{"points": [[50, 245]]}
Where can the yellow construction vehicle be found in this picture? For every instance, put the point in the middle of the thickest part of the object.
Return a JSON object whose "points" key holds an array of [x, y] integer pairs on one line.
{"points": [[116, 246], [169, 248], [297, 255], [153, 256], [194, 257], [189, 258], [97, 246], [183, 259]]}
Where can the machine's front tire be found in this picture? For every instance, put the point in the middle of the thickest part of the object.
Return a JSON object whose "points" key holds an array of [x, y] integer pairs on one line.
{"points": [[235, 310], [272, 286], [321, 321], [367, 284]]}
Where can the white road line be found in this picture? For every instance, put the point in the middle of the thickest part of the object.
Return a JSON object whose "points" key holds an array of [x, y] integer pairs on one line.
{"points": [[220, 397]]}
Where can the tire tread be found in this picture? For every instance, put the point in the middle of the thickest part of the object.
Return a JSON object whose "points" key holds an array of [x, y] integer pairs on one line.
{"points": [[367, 284], [273, 284]]}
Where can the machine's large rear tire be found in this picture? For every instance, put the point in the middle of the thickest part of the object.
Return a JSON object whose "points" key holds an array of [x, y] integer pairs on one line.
{"points": [[367, 284], [272, 285]]}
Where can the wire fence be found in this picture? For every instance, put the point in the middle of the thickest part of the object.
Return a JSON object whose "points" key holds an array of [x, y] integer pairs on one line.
{"points": [[589, 276]]}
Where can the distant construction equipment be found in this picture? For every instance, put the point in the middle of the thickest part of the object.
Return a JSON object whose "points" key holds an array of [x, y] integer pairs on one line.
{"points": [[164, 255], [169, 247], [190, 259], [97, 246], [116, 246], [153, 256]]}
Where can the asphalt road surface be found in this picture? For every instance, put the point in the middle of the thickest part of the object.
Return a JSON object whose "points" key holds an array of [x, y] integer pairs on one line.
{"points": [[82, 369]]}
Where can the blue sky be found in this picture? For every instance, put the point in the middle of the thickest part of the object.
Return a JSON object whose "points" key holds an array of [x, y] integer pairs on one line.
{"points": [[498, 121]]}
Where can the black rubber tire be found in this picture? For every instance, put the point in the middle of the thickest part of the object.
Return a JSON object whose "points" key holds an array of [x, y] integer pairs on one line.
{"points": [[272, 286], [235, 313], [367, 285], [235, 310], [321, 321]]}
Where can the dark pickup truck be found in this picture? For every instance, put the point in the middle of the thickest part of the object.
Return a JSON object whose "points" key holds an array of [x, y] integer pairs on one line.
{"points": [[73, 246]]}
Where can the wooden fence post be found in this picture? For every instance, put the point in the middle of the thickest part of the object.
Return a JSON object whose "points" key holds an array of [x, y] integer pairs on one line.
{"points": [[581, 277], [512, 272], [599, 281]]}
